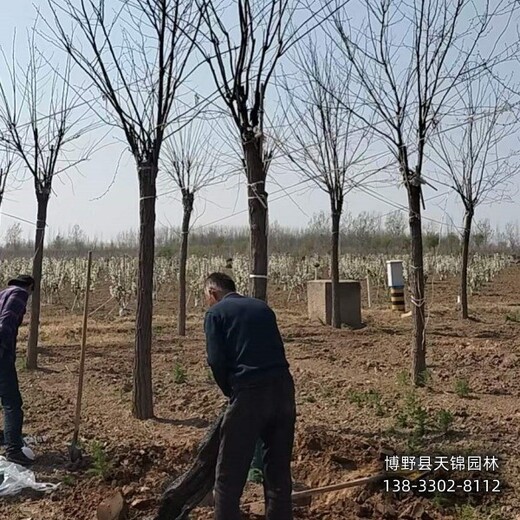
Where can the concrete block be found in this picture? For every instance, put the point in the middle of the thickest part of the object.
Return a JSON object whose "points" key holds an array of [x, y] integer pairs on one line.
{"points": [[319, 301]]}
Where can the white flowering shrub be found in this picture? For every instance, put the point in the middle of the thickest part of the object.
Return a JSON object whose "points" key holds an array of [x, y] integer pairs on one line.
{"points": [[287, 273]]}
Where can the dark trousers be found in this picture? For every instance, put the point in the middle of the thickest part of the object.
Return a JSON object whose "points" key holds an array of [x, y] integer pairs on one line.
{"points": [[266, 411], [12, 404]]}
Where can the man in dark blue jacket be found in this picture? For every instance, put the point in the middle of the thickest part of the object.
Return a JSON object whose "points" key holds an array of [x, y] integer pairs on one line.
{"points": [[13, 304], [247, 357]]}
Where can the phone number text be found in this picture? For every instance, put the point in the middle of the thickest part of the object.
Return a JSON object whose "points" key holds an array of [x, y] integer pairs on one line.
{"points": [[441, 486]]}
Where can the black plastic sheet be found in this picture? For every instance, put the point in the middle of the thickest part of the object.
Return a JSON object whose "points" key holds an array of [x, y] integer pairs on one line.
{"points": [[187, 492]]}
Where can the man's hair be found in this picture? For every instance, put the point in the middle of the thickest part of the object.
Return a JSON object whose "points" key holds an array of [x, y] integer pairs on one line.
{"points": [[220, 282]]}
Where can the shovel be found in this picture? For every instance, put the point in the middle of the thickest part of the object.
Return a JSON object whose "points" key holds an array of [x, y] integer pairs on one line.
{"points": [[74, 450]]}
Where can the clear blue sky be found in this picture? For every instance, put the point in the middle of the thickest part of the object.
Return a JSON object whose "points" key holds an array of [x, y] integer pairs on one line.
{"points": [[79, 199]]}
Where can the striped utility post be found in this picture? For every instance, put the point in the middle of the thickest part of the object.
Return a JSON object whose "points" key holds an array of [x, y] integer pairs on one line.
{"points": [[396, 284]]}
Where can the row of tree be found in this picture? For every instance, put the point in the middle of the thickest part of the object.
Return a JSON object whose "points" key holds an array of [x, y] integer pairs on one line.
{"points": [[345, 93], [366, 233]]}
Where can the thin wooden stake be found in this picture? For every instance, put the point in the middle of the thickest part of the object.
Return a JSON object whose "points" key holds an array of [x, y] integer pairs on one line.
{"points": [[83, 351]]}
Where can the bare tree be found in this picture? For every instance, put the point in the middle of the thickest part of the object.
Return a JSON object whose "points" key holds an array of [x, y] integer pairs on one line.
{"points": [[512, 232], [323, 141], [407, 59], [474, 157], [242, 71], [242, 52], [190, 163], [484, 234], [13, 237], [37, 110], [137, 55], [395, 224]]}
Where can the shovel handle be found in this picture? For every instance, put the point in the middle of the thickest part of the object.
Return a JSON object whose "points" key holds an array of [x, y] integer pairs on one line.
{"points": [[338, 487], [308, 493], [83, 350]]}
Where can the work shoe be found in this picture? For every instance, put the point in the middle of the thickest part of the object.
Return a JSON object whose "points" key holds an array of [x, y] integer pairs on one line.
{"points": [[19, 458]]}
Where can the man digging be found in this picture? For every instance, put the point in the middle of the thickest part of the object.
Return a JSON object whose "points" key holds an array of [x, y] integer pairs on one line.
{"points": [[13, 304], [256, 471], [247, 357]]}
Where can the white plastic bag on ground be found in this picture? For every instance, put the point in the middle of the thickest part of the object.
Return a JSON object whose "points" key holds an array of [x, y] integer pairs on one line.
{"points": [[16, 478]]}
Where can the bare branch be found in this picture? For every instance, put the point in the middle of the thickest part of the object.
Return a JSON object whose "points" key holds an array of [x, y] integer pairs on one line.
{"points": [[409, 58], [474, 157], [137, 56], [42, 144], [6, 163], [323, 138], [191, 159]]}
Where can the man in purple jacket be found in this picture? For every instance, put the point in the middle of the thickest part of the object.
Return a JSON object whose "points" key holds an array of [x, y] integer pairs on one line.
{"points": [[13, 304]]}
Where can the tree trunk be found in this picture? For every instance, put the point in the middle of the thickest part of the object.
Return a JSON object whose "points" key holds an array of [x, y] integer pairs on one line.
{"points": [[31, 361], [142, 385], [253, 153], [418, 296], [187, 202], [468, 220], [334, 269]]}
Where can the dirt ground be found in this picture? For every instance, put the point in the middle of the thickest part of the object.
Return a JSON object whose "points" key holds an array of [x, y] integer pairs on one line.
{"points": [[352, 396]]}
